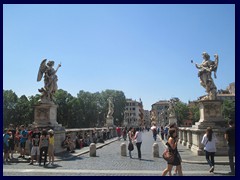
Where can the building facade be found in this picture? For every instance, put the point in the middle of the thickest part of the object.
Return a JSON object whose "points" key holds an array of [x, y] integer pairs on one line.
{"points": [[134, 113], [160, 108]]}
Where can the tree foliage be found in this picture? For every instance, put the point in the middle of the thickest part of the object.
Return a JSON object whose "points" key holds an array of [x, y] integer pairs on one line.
{"points": [[181, 111], [228, 110], [85, 110]]}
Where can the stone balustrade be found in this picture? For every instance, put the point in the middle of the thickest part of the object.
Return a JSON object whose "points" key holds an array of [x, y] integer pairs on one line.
{"points": [[83, 132], [192, 137]]}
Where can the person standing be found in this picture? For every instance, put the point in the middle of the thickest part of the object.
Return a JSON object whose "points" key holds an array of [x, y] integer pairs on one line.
{"points": [[51, 147], [138, 138], [118, 132], [43, 145], [12, 140], [23, 139], [130, 138], [35, 145], [209, 142], [230, 137], [6, 137]]}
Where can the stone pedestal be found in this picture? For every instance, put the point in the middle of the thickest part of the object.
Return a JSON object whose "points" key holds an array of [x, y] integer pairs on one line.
{"points": [[45, 116], [109, 122], [210, 116], [172, 119]]}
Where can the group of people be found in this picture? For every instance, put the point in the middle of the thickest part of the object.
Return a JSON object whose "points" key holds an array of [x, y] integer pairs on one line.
{"points": [[41, 143], [135, 137], [209, 141]]}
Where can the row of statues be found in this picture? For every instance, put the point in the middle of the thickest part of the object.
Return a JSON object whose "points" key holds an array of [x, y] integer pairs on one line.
{"points": [[205, 70]]}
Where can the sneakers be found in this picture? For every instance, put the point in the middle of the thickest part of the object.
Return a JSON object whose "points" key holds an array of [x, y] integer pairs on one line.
{"points": [[211, 169], [31, 163]]}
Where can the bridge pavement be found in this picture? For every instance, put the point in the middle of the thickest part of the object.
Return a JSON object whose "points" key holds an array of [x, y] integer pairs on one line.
{"points": [[109, 162]]}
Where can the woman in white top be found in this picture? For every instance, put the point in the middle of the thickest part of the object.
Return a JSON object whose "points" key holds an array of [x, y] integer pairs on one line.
{"points": [[138, 137], [209, 142]]}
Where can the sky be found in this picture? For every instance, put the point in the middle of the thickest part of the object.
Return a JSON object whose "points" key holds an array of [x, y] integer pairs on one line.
{"points": [[144, 50]]}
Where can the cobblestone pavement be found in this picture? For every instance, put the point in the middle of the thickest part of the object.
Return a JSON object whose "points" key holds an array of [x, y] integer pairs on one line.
{"points": [[109, 162]]}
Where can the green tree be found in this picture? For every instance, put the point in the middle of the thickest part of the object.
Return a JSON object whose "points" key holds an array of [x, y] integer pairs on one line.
{"points": [[228, 110], [181, 111], [62, 99], [195, 113], [23, 111], [9, 104]]}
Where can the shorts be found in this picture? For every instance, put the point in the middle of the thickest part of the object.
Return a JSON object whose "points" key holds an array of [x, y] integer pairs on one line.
{"points": [[11, 145], [35, 150], [5, 148], [22, 145]]}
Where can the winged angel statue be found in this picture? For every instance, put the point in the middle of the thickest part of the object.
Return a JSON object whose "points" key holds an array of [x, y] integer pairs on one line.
{"points": [[50, 80], [205, 75]]}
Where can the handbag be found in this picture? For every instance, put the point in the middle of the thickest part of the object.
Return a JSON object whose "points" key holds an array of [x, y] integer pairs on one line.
{"points": [[168, 156], [130, 146]]}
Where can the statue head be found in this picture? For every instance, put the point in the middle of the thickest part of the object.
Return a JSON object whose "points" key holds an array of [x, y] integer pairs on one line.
{"points": [[50, 63], [205, 56]]}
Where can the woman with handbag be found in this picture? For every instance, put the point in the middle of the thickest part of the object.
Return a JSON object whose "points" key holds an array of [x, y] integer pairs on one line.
{"points": [[130, 137], [172, 148]]}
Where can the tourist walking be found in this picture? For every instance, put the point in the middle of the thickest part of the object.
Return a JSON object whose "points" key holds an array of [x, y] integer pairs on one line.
{"points": [[138, 138], [154, 131], [162, 133], [172, 146], [230, 137], [209, 142], [174, 125]]}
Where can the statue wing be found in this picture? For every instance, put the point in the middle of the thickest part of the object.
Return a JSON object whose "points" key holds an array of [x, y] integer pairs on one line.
{"points": [[41, 70]]}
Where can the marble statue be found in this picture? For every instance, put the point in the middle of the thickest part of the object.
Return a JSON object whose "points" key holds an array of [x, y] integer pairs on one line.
{"points": [[50, 80], [205, 74], [110, 107]]}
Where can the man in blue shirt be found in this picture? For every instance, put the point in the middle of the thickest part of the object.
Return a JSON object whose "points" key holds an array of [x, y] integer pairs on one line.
{"points": [[23, 139]]}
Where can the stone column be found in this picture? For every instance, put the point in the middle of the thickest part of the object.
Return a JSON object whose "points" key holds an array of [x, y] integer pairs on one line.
{"points": [[184, 142], [92, 150], [189, 138], [155, 150], [123, 149]]}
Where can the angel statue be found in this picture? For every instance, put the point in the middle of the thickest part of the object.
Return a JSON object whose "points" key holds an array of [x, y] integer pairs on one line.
{"points": [[205, 75], [50, 80], [172, 105], [110, 107]]}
